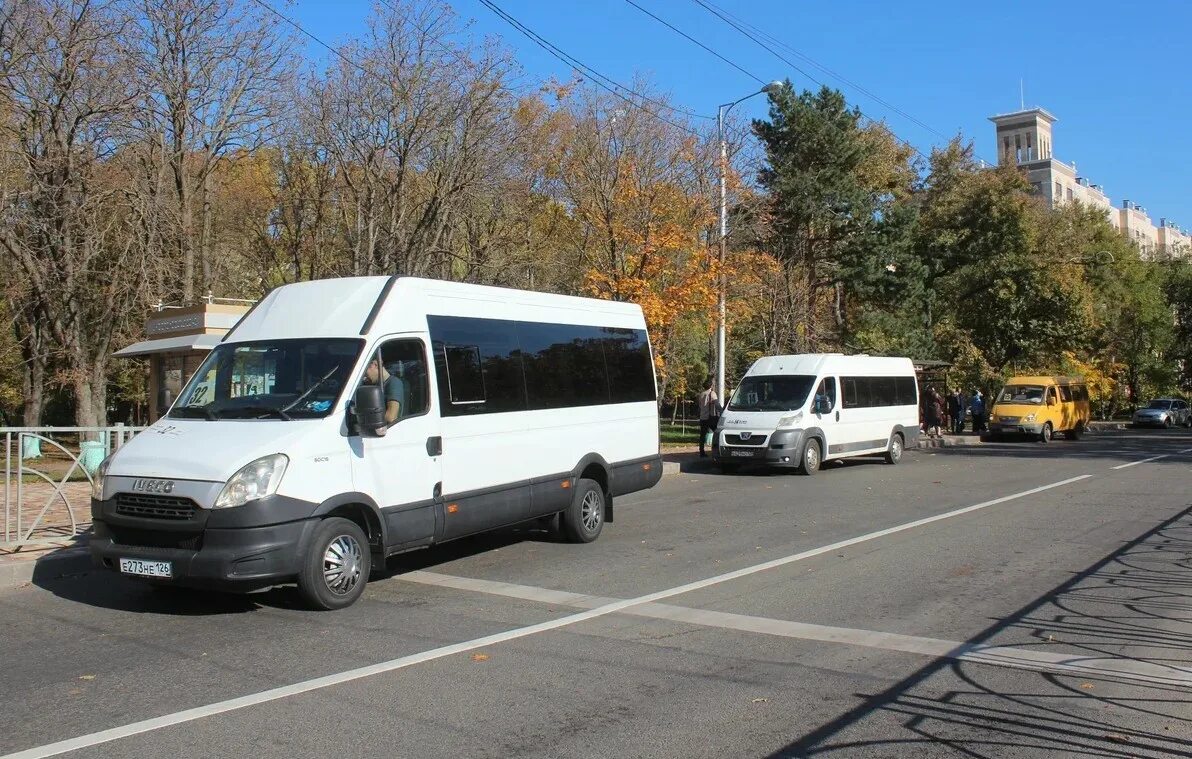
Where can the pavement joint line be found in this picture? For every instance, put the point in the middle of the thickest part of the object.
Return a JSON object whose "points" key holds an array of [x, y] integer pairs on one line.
{"points": [[305, 686], [1117, 668]]}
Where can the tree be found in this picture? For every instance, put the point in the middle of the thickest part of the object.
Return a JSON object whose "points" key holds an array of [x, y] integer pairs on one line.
{"points": [[66, 89]]}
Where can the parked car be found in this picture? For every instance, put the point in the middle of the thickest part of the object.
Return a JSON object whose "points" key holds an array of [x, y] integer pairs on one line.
{"points": [[1164, 412]]}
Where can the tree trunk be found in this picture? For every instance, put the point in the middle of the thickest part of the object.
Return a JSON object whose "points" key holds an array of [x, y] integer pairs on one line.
{"points": [[205, 242]]}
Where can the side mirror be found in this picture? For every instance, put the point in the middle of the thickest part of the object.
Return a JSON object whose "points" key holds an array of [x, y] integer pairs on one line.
{"points": [[822, 406], [369, 408]]}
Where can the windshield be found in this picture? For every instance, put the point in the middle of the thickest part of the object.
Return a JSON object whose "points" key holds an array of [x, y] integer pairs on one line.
{"points": [[1159, 404], [282, 379], [1032, 394], [786, 392]]}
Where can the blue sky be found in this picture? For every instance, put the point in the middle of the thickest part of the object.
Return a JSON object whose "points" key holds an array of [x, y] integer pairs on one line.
{"points": [[1116, 75]]}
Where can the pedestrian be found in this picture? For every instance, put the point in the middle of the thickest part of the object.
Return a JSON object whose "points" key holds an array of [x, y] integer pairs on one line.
{"points": [[934, 411], [961, 410], [977, 406], [709, 414], [955, 411]]}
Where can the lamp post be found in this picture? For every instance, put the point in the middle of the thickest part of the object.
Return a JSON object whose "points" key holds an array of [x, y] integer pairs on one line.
{"points": [[722, 284]]}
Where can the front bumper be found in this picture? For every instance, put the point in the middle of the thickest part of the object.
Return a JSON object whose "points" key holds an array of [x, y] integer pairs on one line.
{"points": [[220, 549], [778, 449], [1016, 428], [1149, 421]]}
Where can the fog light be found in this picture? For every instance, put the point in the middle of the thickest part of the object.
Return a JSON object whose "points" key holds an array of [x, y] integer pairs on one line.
{"points": [[786, 459]]}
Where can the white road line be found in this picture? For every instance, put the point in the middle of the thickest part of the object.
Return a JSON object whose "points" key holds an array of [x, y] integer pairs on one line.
{"points": [[1152, 458], [1124, 669], [273, 694]]}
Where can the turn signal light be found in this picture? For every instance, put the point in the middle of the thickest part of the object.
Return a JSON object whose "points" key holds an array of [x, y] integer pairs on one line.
{"points": [[452, 508]]}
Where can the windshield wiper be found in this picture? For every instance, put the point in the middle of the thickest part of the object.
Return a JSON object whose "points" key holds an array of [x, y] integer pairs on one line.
{"points": [[207, 412], [281, 412], [308, 392]]}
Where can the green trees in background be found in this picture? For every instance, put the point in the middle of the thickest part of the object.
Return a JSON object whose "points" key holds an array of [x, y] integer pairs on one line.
{"points": [[133, 173]]}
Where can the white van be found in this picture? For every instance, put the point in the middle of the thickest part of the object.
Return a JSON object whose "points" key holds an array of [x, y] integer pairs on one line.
{"points": [[798, 411], [345, 420]]}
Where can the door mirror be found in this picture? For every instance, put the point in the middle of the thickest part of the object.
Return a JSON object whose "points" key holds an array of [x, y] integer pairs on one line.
{"points": [[822, 406], [369, 408]]}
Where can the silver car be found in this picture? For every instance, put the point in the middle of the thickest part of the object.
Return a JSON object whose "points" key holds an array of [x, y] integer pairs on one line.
{"points": [[1164, 412]]}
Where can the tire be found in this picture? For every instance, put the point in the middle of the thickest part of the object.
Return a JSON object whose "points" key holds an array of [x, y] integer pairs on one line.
{"points": [[1076, 432], [583, 520], [809, 462], [1045, 435], [894, 449], [336, 565]]}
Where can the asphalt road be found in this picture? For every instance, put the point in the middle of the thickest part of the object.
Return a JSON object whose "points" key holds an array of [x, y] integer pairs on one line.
{"points": [[1012, 599]]}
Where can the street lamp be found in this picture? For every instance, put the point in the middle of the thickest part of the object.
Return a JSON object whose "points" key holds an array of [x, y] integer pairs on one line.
{"points": [[721, 112]]}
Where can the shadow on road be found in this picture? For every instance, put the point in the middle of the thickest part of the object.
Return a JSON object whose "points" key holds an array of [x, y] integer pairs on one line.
{"points": [[1135, 604]]}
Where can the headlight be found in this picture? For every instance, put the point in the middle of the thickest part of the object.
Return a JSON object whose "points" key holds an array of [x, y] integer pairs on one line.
{"points": [[97, 479], [1028, 418], [257, 480], [790, 421]]}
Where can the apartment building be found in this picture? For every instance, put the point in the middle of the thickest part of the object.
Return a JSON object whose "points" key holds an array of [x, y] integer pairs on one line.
{"points": [[1024, 139]]}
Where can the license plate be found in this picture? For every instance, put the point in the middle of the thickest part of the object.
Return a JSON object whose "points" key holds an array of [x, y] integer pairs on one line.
{"points": [[146, 568], [744, 454]]}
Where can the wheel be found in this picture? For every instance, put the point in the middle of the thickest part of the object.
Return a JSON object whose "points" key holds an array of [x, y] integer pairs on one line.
{"points": [[336, 566], [584, 518], [810, 461], [728, 467], [1045, 435], [894, 450], [1076, 432]]}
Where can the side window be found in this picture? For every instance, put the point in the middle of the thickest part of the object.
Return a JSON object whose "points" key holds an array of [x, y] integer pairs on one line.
{"points": [[399, 367], [848, 386], [826, 392], [564, 365], [478, 365], [1066, 393], [907, 391]]}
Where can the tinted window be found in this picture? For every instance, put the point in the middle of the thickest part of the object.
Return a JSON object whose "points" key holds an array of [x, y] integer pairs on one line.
{"points": [[629, 365], [872, 392], [564, 365], [494, 365], [908, 391], [478, 364]]}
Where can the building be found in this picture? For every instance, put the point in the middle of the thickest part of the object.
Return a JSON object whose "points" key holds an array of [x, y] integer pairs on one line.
{"points": [[1024, 139], [179, 338]]}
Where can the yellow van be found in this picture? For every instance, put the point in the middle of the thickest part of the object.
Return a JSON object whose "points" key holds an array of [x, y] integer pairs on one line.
{"points": [[1041, 407]]}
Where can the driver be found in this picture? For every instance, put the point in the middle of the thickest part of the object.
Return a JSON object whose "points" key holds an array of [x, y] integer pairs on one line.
{"points": [[395, 390]]}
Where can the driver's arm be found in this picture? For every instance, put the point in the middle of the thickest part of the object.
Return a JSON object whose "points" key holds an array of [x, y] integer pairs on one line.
{"points": [[392, 411]]}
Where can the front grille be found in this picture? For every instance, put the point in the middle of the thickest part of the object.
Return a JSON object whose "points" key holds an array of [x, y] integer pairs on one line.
{"points": [[130, 536], [736, 439], [154, 506]]}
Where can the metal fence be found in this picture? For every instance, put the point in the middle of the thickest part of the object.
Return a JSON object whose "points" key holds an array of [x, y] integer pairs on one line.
{"points": [[47, 480]]}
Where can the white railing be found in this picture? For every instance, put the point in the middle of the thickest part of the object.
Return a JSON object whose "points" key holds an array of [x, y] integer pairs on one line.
{"points": [[47, 480]]}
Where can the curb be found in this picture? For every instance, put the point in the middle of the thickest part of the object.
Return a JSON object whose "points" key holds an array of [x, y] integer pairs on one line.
{"points": [[72, 561]]}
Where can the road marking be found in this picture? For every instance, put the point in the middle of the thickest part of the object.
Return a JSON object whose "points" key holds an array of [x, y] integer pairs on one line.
{"points": [[273, 694], [1152, 458], [1125, 668]]}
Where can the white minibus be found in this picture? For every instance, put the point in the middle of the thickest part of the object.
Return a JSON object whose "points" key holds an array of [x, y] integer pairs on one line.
{"points": [[799, 411], [345, 420]]}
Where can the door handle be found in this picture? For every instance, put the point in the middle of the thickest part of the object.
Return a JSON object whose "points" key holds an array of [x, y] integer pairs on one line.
{"points": [[434, 446], [838, 415]]}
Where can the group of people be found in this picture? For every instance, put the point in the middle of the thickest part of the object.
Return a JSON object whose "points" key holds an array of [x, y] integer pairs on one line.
{"points": [[940, 413]]}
